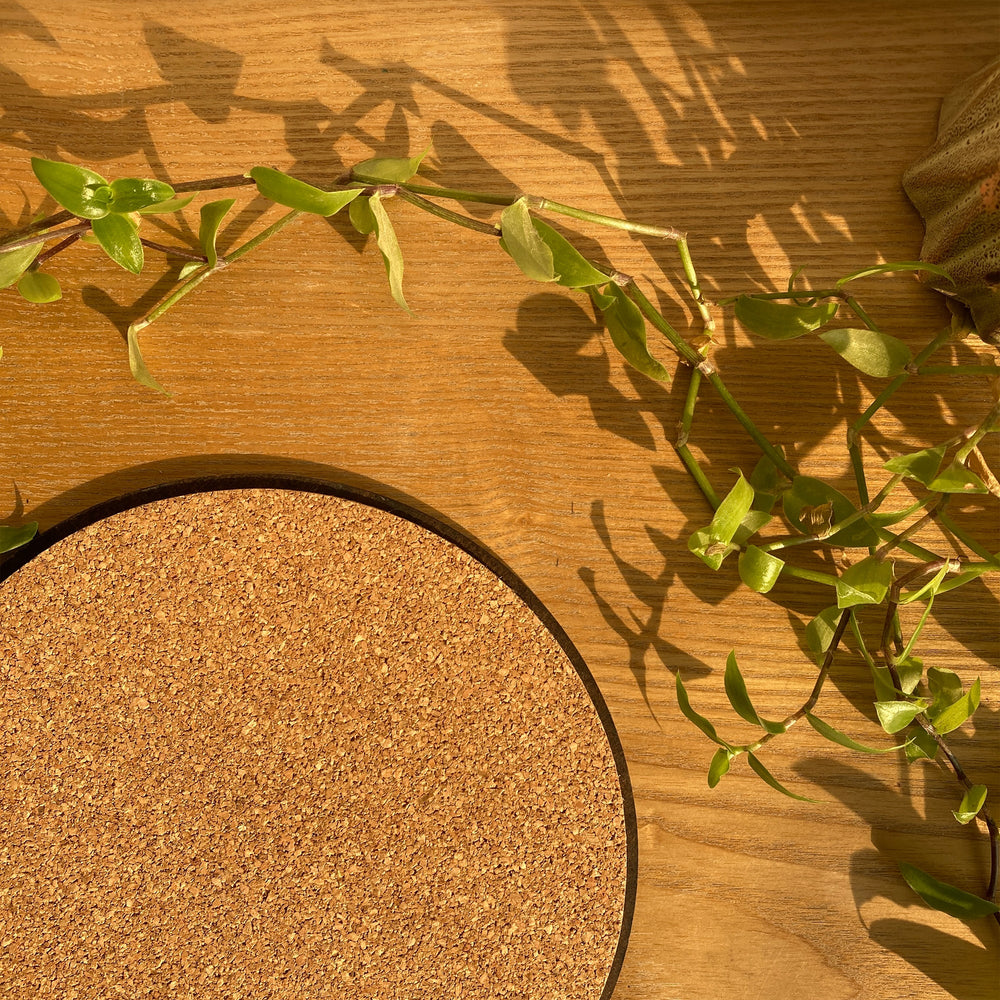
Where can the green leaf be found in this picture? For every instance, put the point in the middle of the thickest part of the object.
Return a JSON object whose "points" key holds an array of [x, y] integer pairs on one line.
{"points": [[140, 372], [885, 688], [170, 205], [14, 263], [947, 898], [361, 216], [782, 320], [870, 351], [972, 802], [627, 330], [920, 746], [920, 465], [956, 478], [811, 506], [752, 522], [759, 570], [37, 287], [212, 215], [133, 194], [770, 779], [712, 544], [572, 269], [966, 576], [929, 589], [950, 717], [709, 550], [766, 481], [866, 582], [77, 189], [720, 765], [14, 538], [896, 715], [692, 716], [523, 243], [736, 692], [389, 169], [293, 193], [385, 237], [836, 736], [820, 632], [906, 265], [945, 686], [117, 235], [909, 670]]}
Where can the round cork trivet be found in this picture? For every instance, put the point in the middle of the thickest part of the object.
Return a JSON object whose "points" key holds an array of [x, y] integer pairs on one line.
{"points": [[266, 743]]}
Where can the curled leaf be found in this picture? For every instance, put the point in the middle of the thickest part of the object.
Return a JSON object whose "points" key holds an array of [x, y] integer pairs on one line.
{"points": [[947, 898], [758, 569], [870, 351], [905, 265], [212, 215], [808, 495], [721, 760], [521, 240], [972, 802], [820, 632], [956, 478], [866, 582], [170, 205], [763, 773], [920, 465], [951, 716], [361, 216], [782, 320], [140, 372], [627, 330], [691, 715], [572, 269], [739, 698], [836, 736], [894, 716], [385, 237]]}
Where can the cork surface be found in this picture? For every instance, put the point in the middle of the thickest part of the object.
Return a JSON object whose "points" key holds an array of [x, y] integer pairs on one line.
{"points": [[260, 743]]}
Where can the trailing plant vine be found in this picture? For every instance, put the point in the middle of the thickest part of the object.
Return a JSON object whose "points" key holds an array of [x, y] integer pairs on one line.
{"points": [[760, 523]]}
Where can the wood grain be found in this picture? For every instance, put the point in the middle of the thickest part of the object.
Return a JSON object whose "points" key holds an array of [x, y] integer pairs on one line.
{"points": [[776, 135]]}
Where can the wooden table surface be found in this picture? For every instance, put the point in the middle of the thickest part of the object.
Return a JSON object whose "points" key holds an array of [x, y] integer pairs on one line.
{"points": [[775, 134]]}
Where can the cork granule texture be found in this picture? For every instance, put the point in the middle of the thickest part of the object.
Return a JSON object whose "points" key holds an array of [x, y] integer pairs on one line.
{"points": [[271, 744]]}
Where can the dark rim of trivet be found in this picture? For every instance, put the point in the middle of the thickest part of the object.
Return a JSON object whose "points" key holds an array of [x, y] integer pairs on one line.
{"points": [[303, 484]]}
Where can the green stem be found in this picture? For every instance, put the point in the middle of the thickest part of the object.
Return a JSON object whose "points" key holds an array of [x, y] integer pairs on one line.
{"points": [[855, 307], [813, 576], [988, 425], [446, 213], [692, 280], [200, 275], [432, 191]]}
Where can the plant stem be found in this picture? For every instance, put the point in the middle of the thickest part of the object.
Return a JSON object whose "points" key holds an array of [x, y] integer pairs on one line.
{"points": [[446, 213], [454, 194], [46, 255], [44, 237], [175, 251]]}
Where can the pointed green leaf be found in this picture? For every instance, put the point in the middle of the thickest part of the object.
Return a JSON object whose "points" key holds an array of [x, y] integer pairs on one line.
{"points": [[909, 669], [522, 242], [866, 582], [212, 215], [389, 169], [189, 268], [133, 194], [14, 263], [385, 237], [952, 716], [947, 898], [870, 351], [572, 269], [117, 235], [782, 320], [972, 802], [920, 746], [736, 692], [766, 481], [966, 576], [720, 765], [170, 205], [820, 632], [37, 287], [885, 688], [361, 216], [887, 518], [811, 505], [763, 773], [906, 265], [77, 189], [929, 589], [920, 465], [627, 330], [14, 538], [140, 372], [759, 570], [692, 716], [730, 513], [894, 716], [709, 549], [956, 478], [293, 193], [752, 522], [836, 736]]}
